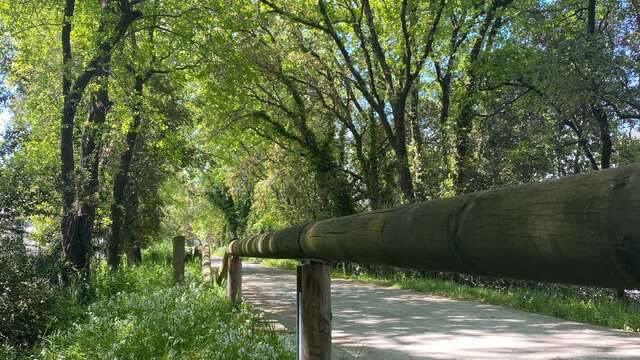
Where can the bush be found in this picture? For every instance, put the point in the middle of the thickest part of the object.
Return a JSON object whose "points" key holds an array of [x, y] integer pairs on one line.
{"points": [[29, 299], [136, 313], [179, 322]]}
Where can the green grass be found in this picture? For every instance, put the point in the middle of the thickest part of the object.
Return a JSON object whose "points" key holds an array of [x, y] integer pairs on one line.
{"points": [[136, 313], [219, 251], [280, 263], [565, 302]]}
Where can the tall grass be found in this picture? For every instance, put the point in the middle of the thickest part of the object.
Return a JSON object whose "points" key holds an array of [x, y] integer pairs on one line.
{"points": [[136, 313]]}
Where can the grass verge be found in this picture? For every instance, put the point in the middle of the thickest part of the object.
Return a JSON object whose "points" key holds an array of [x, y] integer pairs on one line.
{"points": [[136, 313], [565, 302]]}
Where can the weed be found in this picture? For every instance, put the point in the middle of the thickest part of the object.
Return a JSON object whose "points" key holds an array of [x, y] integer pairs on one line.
{"points": [[136, 313]]}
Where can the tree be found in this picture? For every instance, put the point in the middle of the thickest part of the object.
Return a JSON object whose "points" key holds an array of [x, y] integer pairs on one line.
{"points": [[224, 118], [369, 64], [77, 213]]}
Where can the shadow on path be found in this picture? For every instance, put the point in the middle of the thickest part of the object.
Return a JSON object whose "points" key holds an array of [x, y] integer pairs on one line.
{"points": [[374, 322]]}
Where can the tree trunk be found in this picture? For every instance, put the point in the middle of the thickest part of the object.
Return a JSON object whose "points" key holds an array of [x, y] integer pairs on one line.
{"points": [[77, 216], [406, 182], [368, 159], [416, 134], [445, 99], [591, 17], [90, 163], [78, 221], [447, 155], [399, 147], [134, 254], [373, 175], [416, 139], [463, 145], [464, 126], [605, 136], [129, 232], [178, 259], [71, 246], [115, 235]]}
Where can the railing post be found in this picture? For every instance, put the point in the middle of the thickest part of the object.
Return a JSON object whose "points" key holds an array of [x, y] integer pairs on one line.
{"points": [[234, 279], [314, 311], [178, 259], [205, 264]]}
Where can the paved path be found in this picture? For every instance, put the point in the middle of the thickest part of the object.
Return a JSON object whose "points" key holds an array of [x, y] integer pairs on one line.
{"points": [[374, 322]]}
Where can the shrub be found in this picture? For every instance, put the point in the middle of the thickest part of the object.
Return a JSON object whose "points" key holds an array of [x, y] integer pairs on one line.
{"points": [[136, 313], [28, 297], [179, 322]]}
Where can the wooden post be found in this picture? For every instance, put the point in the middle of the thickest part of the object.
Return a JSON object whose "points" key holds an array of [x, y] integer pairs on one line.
{"points": [[205, 263], [234, 279], [178, 259], [314, 311]]}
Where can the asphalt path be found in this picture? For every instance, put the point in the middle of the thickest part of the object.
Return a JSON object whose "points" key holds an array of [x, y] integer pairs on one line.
{"points": [[376, 322]]}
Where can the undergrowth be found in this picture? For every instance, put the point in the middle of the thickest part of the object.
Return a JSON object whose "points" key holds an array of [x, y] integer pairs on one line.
{"points": [[136, 313], [280, 263]]}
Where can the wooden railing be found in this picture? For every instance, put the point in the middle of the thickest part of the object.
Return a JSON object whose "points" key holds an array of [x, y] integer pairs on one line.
{"points": [[582, 229]]}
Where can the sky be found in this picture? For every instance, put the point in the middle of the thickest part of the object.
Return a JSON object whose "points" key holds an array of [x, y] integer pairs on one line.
{"points": [[5, 113], [5, 118]]}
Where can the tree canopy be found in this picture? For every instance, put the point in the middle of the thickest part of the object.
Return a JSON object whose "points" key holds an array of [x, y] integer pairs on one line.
{"points": [[219, 118]]}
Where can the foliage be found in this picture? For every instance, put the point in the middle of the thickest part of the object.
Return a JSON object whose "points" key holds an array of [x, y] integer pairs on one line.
{"points": [[229, 118], [279, 114], [235, 211], [186, 322], [27, 180], [280, 263], [136, 313], [31, 300]]}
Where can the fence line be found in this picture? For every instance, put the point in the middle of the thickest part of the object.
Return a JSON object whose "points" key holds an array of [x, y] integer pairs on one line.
{"points": [[582, 229]]}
